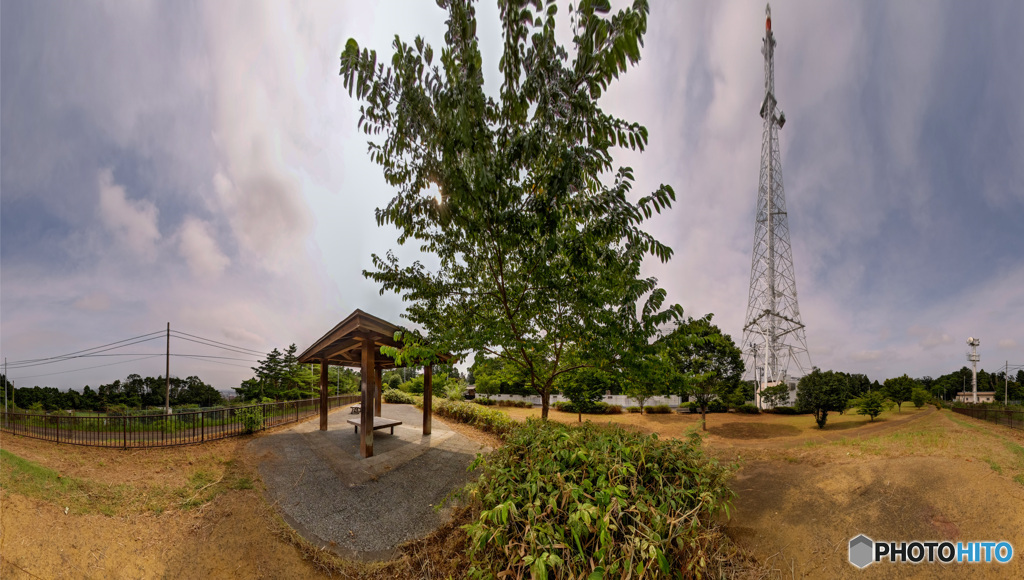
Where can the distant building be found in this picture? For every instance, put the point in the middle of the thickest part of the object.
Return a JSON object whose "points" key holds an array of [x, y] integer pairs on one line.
{"points": [[983, 397]]}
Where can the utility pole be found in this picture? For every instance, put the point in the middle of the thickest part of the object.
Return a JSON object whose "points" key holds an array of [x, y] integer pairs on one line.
{"points": [[1006, 384], [5, 384], [167, 390]]}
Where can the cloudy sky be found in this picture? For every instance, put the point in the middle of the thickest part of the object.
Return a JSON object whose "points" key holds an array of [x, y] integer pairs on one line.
{"points": [[198, 163]]}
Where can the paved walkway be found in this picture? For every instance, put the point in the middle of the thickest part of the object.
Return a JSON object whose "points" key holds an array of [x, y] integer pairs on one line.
{"points": [[364, 508]]}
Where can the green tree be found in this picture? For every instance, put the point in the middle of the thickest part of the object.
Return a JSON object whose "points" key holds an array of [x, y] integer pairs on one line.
{"points": [[821, 392], [537, 254], [648, 375], [900, 389], [775, 395], [872, 404], [583, 389], [919, 396], [707, 364]]}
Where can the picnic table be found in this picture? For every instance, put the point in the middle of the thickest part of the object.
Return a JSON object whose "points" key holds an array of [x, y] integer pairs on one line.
{"points": [[378, 423]]}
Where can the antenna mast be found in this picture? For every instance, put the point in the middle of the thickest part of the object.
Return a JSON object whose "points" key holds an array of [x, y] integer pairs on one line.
{"points": [[773, 325]]}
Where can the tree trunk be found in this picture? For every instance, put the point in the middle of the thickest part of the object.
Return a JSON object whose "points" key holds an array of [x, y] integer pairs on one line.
{"points": [[704, 418], [544, 398]]}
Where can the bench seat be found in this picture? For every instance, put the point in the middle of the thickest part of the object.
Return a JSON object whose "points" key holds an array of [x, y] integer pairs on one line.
{"points": [[378, 423]]}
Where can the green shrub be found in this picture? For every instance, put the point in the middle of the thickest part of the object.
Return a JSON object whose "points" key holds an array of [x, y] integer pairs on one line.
{"points": [[657, 409], [484, 401], [633, 409], [251, 418], [748, 408], [520, 404], [455, 390], [785, 411], [592, 408], [490, 420], [558, 501], [398, 397], [716, 406]]}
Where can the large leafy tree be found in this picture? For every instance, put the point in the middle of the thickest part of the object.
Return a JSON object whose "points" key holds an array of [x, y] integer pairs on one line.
{"points": [[708, 364], [900, 389], [538, 243]]}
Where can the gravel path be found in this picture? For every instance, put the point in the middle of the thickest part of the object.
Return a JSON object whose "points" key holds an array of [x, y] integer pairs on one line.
{"points": [[364, 508]]}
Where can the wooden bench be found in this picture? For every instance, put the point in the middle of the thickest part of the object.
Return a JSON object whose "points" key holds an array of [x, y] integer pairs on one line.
{"points": [[356, 409], [378, 423]]}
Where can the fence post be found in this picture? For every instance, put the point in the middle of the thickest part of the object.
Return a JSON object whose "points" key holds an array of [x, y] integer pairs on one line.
{"points": [[202, 426], [58, 428], [124, 431]]}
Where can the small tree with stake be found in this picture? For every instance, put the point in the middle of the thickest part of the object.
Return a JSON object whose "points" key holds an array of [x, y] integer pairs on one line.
{"points": [[872, 404]]}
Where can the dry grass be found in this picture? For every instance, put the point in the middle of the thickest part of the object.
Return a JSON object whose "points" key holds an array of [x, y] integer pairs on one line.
{"points": [[730, 428]]}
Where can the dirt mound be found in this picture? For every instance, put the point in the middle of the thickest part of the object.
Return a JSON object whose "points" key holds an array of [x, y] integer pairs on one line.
{"points": [[753, 430]]}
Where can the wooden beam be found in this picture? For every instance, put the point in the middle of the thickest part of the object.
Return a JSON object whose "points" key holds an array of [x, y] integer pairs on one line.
{"points": [[428, 395], [378, 374], [366, 412], [323, 394]]}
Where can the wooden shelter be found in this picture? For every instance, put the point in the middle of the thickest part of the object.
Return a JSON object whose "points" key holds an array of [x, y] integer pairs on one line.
{"points": [[356, 342]]}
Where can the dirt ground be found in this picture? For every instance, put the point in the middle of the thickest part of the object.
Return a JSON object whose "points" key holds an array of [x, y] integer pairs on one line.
{"points": [[802, 493]]}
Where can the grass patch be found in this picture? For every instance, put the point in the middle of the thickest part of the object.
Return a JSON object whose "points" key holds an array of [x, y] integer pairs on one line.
{"points": [[1019, 478], [30, 479], [995, 466], [1016, 449], [86, 496]]}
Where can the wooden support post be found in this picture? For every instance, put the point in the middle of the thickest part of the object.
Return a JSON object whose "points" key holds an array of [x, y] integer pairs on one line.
{"points": [[378, 379], [428, 395], [323, 395], [366, 413]]}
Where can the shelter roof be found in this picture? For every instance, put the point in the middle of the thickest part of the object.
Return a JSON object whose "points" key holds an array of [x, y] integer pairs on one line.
{"points": [[343, 344]]}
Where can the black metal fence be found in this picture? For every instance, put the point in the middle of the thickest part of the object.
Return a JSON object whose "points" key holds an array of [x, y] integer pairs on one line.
{"points": [[1013, 418], [164, 430]]}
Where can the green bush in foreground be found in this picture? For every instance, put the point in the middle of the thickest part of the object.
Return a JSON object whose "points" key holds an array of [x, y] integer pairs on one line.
{"points": [[748, 408], [658, 409], [594, 502]]}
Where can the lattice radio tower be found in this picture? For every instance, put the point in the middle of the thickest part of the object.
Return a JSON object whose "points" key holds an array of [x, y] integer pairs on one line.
{"points": [[773, 334]]}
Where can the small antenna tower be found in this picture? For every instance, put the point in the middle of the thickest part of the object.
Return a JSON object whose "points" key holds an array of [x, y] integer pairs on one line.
{"points": [[773, 333], [974, 357]]}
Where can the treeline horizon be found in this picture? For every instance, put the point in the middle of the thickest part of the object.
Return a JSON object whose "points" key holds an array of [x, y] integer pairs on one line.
{"points": [[280, 377]]}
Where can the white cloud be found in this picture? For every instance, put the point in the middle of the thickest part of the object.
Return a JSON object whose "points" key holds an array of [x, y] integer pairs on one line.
{"points": [[133, 222], [1007, 343], [95, 301], [929, 337], [199, 249]]}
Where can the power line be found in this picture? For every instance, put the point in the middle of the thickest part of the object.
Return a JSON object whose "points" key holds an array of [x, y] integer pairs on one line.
{"points": [[70, 354], [86, 368], [225, 364], [231, 349], [219, 343], [52, 360]]}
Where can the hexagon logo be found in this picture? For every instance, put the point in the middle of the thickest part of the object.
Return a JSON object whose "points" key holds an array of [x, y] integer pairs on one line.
{"points": [[861, 551]]}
